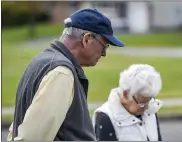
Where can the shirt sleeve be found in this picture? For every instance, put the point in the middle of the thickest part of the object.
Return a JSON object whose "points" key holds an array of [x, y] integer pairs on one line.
{"points": [[104, 129], [48, 110]]}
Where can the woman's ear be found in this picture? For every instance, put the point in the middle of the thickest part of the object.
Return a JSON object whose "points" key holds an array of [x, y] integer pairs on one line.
{"points": [[125, 94], [124, 97]]}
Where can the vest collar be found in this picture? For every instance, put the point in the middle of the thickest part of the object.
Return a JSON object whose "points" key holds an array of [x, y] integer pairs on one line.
{"points": [[57, 45]]}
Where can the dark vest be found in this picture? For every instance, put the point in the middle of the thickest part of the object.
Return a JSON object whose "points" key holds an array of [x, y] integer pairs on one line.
{"points": [[77, 125]]}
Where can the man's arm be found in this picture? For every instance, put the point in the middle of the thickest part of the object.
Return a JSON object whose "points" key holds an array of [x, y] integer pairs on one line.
{"points": [[48, 110]]}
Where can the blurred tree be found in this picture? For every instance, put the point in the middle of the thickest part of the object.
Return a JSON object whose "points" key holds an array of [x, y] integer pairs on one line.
{"points": [[17, 13], [32, 22]]}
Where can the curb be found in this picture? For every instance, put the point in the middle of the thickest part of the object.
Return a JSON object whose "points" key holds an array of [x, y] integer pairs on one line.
{"points": [[164, 117], [93, 105], [5, 126], [170, 117]]}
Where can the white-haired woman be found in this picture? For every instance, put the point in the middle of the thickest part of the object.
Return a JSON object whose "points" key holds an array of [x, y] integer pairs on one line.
{"points": [[130, 113]]}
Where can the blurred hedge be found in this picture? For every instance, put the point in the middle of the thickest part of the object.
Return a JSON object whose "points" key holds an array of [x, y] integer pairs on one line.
{"points": [[22, 12]]}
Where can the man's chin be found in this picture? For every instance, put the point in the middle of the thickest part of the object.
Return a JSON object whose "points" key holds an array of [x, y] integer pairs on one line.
{"points": [[90, 65], [93, 64]]}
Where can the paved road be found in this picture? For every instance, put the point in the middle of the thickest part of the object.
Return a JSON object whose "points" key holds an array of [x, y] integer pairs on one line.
{"points": [[170, 130], [148, 52], [132, 51]]}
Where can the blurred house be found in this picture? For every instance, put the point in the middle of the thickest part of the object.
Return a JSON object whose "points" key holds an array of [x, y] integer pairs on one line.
{"points": [[128, 16], [140, 17], [60, 10]]}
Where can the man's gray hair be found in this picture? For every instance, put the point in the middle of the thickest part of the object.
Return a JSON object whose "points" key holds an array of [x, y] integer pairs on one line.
{"points": [[74, 33]]}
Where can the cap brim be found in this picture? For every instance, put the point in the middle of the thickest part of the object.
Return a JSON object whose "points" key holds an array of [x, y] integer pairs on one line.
{"points": [[114, 41]]}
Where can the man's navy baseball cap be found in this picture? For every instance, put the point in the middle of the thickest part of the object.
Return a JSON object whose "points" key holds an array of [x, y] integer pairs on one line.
{"points": [[94, 21]]}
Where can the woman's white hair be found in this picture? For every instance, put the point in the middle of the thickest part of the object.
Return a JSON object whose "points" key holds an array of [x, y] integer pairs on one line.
{"points": [[141, 79]]}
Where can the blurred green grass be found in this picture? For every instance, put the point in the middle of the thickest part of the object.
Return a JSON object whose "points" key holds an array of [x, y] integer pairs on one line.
{"points": [[20, 34], [105, 75], [102, 77], [167, 39], [170, 110], [14, 62], [16, 54]]}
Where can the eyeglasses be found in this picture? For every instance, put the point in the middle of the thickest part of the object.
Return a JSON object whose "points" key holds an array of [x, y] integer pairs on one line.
{"points": [[141, 105], [105, 46]]}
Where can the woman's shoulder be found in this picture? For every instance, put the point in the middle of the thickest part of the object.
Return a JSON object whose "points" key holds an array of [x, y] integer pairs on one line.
{"points": [[104, 129], [103, 116]]}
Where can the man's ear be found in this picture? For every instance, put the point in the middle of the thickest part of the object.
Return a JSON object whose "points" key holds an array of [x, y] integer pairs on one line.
{"points": [[86, 38]]}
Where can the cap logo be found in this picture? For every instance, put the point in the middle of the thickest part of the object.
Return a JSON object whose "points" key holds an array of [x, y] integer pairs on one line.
{"points": [[67, 20]]}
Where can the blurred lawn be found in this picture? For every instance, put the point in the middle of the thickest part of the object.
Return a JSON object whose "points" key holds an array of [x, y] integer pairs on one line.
{"points": [[170, 110], [14, 62], [20, 34], [16, 56], [168, 39], [102, 78], [105, 75]]}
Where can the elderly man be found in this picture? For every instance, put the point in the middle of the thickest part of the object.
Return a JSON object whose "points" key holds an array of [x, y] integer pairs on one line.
{"points": [[130, 112], [51, 101]]}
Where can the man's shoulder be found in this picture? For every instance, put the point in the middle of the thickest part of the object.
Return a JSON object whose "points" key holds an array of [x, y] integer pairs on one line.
{"points": [[63, 70], [54, 54]]}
